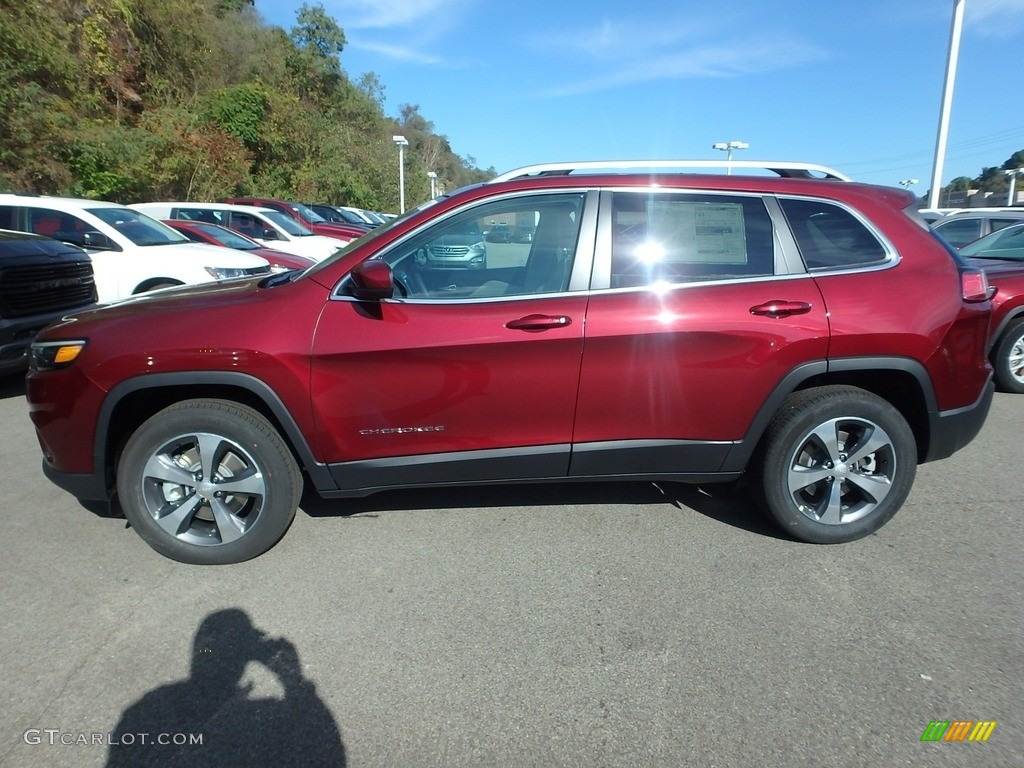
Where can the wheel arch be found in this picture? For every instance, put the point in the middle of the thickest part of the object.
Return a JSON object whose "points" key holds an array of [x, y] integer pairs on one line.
{"points": [[155, 282], [997, 334], [134, 400], [902, 382]]}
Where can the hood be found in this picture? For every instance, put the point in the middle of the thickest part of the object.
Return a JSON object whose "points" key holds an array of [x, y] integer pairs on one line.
{"points": [[316, 247], [181, 297], [210, 255]]}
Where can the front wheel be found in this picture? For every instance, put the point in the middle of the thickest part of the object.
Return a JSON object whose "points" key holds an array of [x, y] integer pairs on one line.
{"points": [[1008, 359], [208, 482], [838, 464]]}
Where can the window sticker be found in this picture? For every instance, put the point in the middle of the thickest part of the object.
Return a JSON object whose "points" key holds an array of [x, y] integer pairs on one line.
{"points": [[708, 233]]}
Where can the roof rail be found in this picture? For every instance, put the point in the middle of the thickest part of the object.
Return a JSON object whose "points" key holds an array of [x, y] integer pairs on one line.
{"points": [[782, 168]]}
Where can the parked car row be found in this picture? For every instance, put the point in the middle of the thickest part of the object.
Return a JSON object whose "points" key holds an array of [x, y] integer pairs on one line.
{"points": [[269, 227], [963, 226], [131, 253], [130, 250]]}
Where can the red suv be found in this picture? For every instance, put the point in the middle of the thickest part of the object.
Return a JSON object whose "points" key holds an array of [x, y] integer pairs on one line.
{"points": [[803, 331], [305, 216]]}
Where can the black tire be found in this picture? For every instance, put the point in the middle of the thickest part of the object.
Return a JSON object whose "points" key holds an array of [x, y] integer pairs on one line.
{"points": [[1008, 358], [838, 463], [208, 482]]}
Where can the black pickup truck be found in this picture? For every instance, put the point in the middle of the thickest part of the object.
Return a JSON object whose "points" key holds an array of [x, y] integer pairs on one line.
{"points": [[41, 280]]}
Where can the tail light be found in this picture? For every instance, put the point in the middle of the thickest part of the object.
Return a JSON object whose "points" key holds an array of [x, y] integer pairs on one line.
{"points": [[974, 286]]}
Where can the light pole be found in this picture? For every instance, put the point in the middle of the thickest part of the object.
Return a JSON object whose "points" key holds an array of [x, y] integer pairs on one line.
{"points": [[1013, 179], [433, 184], [908, 183], [401, 142], [947, 102], [728, 147]]}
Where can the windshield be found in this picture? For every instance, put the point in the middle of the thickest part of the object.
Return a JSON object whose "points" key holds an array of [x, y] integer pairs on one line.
{"points": [[227, 237], [307, 213], [373, 234], [138, 227], [287, 223], [1005, 244]]}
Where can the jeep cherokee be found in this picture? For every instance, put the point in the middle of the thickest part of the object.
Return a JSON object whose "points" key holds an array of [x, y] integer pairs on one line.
{"points": [[801, 330]]}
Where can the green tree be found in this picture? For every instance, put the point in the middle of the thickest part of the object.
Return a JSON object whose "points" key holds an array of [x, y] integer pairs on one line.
{"points": [[315, 62], [991, 180], [1016, 160], [143, 99]]}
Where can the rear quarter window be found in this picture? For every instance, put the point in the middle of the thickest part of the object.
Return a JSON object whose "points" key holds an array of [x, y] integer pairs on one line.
{"points": [[830, 237]]}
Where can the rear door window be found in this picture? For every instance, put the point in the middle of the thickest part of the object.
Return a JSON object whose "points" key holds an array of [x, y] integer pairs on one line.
{"points": [[680, 238]]}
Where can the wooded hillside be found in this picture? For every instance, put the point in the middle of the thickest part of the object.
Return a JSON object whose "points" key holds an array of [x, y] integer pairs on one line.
{"points": [[134, 100]]}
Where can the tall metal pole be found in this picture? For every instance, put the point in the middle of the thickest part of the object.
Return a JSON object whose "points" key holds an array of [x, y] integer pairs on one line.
{"points": [[401, 177], [947, 101], [401, 142]]}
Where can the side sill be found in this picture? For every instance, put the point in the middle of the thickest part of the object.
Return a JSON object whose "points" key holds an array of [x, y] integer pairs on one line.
{"points": [[689, 478], [361, 478], [628, 460]]}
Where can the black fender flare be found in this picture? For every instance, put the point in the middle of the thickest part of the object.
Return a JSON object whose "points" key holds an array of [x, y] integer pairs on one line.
{"points": [[317, 471], [741, 452]]}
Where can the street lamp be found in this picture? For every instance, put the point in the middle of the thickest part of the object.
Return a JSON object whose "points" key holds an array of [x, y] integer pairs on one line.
{"points": [[728, 147], [1013, 179], [433, 184], [908, 183], [401, 142]]}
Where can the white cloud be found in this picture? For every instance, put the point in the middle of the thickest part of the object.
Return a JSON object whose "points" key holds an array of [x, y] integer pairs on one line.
{"points": [[387, 14], [995, 18], [419, 24], [399, 53], [732, 59]]}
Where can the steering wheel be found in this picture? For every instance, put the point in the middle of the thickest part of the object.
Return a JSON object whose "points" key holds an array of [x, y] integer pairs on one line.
{"points": [[409, 281]]}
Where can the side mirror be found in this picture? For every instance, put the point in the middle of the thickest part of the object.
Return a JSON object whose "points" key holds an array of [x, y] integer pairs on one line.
{"points": [[96, 241], [372, 280], [270, 234]]}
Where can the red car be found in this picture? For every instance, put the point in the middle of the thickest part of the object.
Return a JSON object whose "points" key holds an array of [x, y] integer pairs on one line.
{"points": [[1001, 255], [215, 234], [304, 215], [804, 332]]}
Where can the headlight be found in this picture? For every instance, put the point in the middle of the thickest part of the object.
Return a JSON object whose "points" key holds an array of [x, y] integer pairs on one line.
{"points": [[226, 273], [49, 355]]}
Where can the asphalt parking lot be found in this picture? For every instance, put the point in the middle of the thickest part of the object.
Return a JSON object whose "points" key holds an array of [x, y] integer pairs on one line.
{"points": [[590, 625]]}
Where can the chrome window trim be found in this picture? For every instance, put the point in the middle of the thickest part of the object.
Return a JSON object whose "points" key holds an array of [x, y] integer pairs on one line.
{"points": [[892, 256], [603, 253], [579, 278]]}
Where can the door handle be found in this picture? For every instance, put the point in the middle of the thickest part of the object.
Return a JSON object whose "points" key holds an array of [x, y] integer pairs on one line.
{"points": [[538, 322], [779, 308]]}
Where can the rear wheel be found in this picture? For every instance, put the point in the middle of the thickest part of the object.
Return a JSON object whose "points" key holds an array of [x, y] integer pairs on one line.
{"points": [[838, 464], [1008, 359], [208, 482]]}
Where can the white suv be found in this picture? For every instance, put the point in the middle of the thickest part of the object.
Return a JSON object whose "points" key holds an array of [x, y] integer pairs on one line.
{"points": [[271, 228], [130, 252]]}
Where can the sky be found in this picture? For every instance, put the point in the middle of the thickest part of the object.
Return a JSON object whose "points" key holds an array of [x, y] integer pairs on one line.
{"points": [[852, 84]]}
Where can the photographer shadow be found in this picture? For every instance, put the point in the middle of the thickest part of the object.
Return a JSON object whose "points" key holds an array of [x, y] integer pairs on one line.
{"points": [[210, 718]]}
